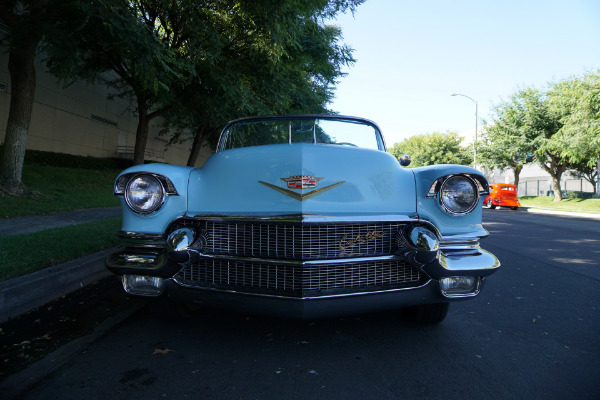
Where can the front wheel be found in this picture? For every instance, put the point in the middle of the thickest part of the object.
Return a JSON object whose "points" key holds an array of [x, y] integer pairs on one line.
{"points": [[427, 313], [490, 204]]}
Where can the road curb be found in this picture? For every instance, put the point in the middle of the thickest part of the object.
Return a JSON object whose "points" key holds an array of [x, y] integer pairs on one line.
{"points": [[564, 213], [21, 294]]}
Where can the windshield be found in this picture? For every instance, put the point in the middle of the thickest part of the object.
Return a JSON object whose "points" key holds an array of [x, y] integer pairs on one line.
{"points": [[302, 129]]}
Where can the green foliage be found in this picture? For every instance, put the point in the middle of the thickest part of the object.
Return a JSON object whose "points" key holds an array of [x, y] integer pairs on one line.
{"points": [[576, 101], [273, 58], [507, 141], [203, 62], [523, 128], [434, 148], [519, 126]]}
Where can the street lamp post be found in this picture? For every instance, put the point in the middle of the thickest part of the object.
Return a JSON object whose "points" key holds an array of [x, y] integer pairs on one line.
{"points": [[476, 118]]}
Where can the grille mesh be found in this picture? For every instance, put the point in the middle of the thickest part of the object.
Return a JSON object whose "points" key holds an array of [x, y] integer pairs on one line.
{"points": [[297, 280], [296, 241]]}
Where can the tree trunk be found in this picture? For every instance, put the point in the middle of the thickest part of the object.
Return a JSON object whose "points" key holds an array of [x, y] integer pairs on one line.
{"points": [[517, 174], [199, 139], [592, 178], [143, 128], [556, 187], [141, 134], [22, 78], [555, 169]]}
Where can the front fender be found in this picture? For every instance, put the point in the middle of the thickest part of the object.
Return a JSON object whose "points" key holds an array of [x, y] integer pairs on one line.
{"points": [[429, 208], [175, 205]]}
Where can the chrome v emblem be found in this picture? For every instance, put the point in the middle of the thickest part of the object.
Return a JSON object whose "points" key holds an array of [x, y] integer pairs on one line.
{"points": [[301, 196]]}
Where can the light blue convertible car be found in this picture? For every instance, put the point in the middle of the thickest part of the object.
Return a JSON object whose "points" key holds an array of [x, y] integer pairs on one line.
{"points": [[304, 216]]}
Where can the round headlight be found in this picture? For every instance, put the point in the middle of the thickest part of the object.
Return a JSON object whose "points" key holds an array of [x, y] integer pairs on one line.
{"points": [[144, 194], [459, 194]]}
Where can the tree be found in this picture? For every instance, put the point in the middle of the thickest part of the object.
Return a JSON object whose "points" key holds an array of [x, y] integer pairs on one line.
{"points": [[587, 172], [145, 45], [157, 50], [251, 84], [522, 128], [434, 148], [198, 48], [577, 103], [51, 28], [29, 21], [507, 141], [559, 128]]}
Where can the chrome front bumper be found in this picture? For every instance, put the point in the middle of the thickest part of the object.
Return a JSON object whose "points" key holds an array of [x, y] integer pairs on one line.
{"points": [[421, 247]]}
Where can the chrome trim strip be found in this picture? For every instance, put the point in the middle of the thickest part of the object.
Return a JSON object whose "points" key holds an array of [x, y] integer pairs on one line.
{"points": [[300, 298], [481, 183], [149, 237], [302, 262], [459, 241], [480, 263], [459, 245], [121, 183], [314, 218]]}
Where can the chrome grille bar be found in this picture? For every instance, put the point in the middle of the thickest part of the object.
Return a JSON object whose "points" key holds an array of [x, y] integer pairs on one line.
{"points": [[295, 280], [297, 241]]}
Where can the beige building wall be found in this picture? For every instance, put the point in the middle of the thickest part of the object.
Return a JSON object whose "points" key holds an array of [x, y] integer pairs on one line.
{"points": [[81, 120]]}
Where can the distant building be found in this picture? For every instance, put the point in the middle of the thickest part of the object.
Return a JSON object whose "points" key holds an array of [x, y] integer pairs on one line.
{"points": [[81, 120]]}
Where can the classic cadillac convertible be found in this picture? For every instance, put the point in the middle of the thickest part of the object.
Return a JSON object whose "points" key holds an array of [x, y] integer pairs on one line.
{"points": [[304, 216]]}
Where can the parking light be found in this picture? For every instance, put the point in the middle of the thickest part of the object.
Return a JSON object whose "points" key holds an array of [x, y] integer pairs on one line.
{"points": [[143, 285], [460, 286]]}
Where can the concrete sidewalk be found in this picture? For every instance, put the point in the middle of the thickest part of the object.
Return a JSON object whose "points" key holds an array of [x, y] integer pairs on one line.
{"points": [[20, 225], [562, 213]]}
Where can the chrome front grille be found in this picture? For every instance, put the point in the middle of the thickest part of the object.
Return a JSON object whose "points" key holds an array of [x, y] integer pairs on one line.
{"points": [[297, 280], [298, 241]]}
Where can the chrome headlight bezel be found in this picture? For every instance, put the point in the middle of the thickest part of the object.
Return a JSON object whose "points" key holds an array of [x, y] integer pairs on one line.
{"points": [[157, 194], [122, 181], [449, 200], [478, 184]]}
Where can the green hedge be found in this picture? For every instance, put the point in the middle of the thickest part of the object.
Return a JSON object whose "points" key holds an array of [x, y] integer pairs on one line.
{"points": [[46, 158]]}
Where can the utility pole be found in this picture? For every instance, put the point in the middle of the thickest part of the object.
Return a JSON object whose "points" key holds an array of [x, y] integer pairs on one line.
{"points": [[476, 118]]}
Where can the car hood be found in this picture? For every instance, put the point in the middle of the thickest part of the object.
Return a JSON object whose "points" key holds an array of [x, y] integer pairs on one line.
{"points": [[348, 181]]}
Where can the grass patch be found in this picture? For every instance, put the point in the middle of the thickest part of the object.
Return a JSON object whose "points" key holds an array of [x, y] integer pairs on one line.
{"points": [[53, 189], [55, 246], [571, 205]]}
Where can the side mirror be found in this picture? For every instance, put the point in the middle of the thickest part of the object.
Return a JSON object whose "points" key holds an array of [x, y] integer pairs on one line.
{"points": [[405, 160]]}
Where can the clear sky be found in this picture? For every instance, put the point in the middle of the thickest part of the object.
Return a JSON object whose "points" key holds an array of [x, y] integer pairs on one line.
{"points": [[413, 54]]}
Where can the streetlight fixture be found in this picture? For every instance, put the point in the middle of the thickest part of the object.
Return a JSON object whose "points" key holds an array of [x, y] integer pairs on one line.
{"points": [[475, 142]]}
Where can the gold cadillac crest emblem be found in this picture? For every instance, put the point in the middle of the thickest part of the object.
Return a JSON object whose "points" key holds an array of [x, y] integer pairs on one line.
{"points": [[301, 182]]}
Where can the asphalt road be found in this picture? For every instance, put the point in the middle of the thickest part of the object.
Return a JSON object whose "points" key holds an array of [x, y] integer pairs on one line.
{"points": [[533, 333]]}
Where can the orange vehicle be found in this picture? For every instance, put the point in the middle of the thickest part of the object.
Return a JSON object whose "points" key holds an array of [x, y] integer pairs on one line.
{"points": [[502, 194]]}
